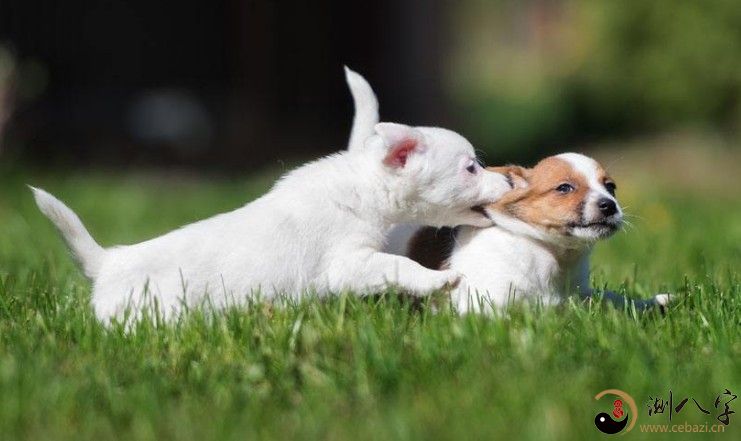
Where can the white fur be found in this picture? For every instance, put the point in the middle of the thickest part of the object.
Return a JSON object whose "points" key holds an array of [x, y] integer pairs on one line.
{"points": [[320, 230], [366, 109], [87, 252], [502, 266], [366, 116]]}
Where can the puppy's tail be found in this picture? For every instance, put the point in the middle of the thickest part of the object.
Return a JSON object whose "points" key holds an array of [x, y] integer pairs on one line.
{"points": [[87, 252], [366, 109]]}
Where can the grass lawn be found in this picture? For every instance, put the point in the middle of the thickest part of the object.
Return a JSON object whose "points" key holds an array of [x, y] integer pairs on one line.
{"points": [[372, 369]]}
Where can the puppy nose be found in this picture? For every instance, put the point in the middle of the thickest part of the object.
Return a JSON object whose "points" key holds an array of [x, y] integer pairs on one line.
{"points": [[607, 206]]}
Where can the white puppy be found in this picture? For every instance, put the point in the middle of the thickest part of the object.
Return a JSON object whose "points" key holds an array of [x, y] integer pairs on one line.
{"points": [[540, 245], [320, 229]]}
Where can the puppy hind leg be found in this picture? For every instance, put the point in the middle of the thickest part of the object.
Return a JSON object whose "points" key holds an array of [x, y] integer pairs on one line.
{"points": [[660, 301]]}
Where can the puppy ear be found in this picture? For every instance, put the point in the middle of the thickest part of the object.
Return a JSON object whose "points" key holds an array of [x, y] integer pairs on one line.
{"points": [[518, 176], [401, 141]]}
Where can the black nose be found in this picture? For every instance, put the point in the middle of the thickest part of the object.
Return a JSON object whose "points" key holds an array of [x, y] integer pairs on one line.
{"points": [[607, 206]]}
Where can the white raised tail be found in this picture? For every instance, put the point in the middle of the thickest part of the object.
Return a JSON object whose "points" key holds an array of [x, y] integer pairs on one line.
{"points": [[366, 109], [85, 249]]}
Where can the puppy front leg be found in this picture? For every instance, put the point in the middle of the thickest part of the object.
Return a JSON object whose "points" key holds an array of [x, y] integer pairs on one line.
{"points": [[377, 271]]}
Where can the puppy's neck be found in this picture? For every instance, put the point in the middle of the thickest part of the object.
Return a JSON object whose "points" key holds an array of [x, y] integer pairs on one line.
{"points": [[522, 260], [554, 264], [526, 238]]}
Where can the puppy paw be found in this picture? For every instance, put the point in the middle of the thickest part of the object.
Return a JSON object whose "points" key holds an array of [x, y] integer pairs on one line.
{"points": [[663, 300], [453, 279], [660, 302], [433, 282], [444, 281]]}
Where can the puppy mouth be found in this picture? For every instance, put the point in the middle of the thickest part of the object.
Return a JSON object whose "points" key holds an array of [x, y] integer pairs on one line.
{"points": [[602, 223], [603, 228]]}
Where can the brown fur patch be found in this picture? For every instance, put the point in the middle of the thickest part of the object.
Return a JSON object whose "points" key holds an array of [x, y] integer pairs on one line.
{"points": [[540, 204]]}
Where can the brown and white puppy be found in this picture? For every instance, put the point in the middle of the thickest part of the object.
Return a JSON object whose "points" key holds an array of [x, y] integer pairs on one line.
{"points": [[539, 249]]}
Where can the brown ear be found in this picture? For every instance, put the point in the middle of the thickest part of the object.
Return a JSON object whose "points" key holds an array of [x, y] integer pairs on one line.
{"points": [[518, 176]]}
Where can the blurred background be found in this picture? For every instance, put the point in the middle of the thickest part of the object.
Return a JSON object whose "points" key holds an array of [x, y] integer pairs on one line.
{"points": [[240, 84]]}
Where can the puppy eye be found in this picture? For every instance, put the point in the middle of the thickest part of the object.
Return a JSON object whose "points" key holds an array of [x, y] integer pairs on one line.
{"points": [[565, 188], [610, 187], [471, 168]]}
